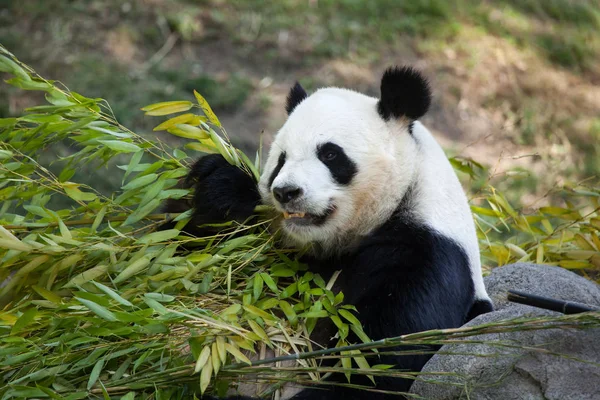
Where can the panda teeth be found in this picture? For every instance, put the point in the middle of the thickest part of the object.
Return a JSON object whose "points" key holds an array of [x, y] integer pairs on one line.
{"points": [[287, 215]]}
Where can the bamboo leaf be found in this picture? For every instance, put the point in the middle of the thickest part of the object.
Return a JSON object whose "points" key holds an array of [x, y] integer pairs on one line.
{"points": [[120, 146], [98, 309], [202, 359], [239, 356], [95, 374], [212, 118], [188, 132], [167, 107], [113, 295], [205, 377], [133, 269], [180, 119], [161, 236]]}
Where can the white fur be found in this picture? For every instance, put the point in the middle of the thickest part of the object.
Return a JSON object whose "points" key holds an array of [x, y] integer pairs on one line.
{"points": [[389, 161]]}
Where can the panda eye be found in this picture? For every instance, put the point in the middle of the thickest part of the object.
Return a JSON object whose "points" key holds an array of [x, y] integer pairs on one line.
{"points": [[329, 155]]}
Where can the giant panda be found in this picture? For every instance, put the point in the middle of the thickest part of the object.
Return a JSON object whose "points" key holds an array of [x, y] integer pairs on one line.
{"points": [[364, 185]]}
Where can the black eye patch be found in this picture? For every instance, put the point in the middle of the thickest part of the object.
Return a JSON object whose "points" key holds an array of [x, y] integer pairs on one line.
{"points": [[277, 169], [342, 168]]}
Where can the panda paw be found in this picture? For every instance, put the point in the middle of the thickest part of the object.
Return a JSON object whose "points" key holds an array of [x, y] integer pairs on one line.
{"points": [[221, 192]]}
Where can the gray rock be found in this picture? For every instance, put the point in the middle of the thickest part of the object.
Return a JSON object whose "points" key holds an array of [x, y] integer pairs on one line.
{"points": [[543, 280], [557, 364]]}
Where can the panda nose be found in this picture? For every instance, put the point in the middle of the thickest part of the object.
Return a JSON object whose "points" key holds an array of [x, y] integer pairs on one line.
{"points": [[285, 194]]}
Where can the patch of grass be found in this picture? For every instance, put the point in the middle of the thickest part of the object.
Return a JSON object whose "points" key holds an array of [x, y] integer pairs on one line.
{"points": [[572, 51], [576, 12]]}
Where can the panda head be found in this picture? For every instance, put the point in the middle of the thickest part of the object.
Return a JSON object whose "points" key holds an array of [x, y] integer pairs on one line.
{"points": [[343, 161]]}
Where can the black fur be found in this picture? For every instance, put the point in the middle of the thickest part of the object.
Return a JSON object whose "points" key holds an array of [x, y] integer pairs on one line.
{"points": [[404, 93], [480, 307], [342, 168], [402, 278], [222, 192], [296, 95], [280, 163]]}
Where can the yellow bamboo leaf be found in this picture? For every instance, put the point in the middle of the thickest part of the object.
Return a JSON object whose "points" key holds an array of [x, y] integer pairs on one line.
{"points": [[202, 148], [221, 349], [205, 377], [581, 254], [583, 242], [256, 328], [212, 118], [14, 245], [7, 234], [234, 351], [167, 107], [188, 132], [216, 361], [259, 313], [539, 255], [202, 359], [596, 240], [572, 264], [180, 119], [516, 250]]}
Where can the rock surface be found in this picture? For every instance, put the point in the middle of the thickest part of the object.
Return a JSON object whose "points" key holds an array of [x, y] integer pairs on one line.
{"points": [[507, 372]]}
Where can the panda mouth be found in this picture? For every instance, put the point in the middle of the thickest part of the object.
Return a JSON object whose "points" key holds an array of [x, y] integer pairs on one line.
{"points": [[305, 219]]}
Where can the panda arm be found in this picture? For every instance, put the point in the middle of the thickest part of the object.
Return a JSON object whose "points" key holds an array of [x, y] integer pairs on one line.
{"points": [[221, 192]]}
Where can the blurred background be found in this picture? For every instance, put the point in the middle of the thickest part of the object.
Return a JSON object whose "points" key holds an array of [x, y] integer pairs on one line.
{"points": [[516, 82]]}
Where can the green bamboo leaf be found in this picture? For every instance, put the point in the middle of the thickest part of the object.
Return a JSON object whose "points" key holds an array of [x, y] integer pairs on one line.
{"points": [[98, 309], [160, 297], [24, 320], [30, 84], [289, 312], [120, 146], [257, 286], [161, 236], [95, 374], [346, 364], [113, 295], [87, 276], [72, 190], [140, 181], [141, 212], [269, 282], [8, 65], [348, 316], [133, 269]]}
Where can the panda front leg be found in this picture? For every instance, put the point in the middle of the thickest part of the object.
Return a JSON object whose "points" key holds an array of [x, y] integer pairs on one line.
{"points": [[221, 192]]}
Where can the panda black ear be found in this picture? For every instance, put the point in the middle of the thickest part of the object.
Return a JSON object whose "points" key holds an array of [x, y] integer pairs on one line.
{"points": [[404, 93], [295, 97]]}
